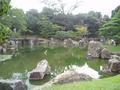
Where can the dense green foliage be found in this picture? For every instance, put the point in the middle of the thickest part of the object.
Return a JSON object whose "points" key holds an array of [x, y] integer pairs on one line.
{"points": [[65, 34], [50, 23], [45, 23], [4, 6], [4, 33], [115, 11], [16, 21], [54, 23], [48, 29], [39, 24], [113, 48], [79, 32], [111, 29]]}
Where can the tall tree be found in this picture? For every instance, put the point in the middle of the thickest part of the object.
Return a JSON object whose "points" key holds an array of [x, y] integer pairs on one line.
{"points": [[61, 6], [115, 11], [4, 6], [15, 20], [4, 31], [40, 24], [111, 29], [33, 19], [93, 22]]}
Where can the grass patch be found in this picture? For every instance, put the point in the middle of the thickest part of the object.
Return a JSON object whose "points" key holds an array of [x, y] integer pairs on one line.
{"points": [[113, 48], [112, 83]]}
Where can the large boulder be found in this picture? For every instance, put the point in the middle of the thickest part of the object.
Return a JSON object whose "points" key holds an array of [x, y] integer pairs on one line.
{"points": [[40, 71], [115, 57], [94, 49], [105, 54], [70, 76], [12, 85], [75, 74], [116, 53], [111, 42], [114, 65]]}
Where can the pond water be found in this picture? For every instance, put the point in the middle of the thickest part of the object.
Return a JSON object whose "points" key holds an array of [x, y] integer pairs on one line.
{"points": [[59, 58]]}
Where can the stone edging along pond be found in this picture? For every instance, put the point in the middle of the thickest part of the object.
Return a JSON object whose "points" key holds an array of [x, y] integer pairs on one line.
{"points": [[96, 50]]}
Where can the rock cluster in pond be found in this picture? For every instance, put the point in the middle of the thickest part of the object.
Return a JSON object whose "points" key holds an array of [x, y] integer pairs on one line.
{"points": [[95, 50], [75, 74], [12, 85], [114, 64], [40, 71]]}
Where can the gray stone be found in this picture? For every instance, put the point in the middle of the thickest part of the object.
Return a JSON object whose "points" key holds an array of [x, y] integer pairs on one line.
{"points": [[94, 49], [105, 54], [83, 42], [112, 42], [68, 42], [115, 57], [114, 65], [12, 85], [70, 76], [40, 71], [75, 43]]}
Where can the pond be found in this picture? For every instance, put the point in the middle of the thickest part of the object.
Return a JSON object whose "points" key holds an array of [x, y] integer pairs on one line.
{"points": [[59, 58]]}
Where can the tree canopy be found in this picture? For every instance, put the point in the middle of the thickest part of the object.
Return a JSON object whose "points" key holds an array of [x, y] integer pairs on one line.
{"points": [[4, 6], [55, 21], [111, 29], [4, 31], [15, 20]]}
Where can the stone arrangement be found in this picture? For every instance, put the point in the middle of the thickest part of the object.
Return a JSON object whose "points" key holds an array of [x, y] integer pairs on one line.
{"points": [[12, 85], [96, 50], [105, 54], [71, 76], [40, 71]]}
